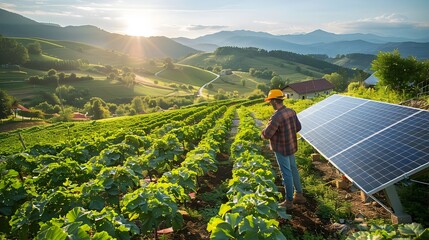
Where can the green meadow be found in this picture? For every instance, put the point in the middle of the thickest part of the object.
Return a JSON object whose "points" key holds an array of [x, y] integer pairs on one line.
{"points": [[155, 79]]}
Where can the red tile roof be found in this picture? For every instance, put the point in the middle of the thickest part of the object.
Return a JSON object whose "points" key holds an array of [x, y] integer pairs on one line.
{"points": [[79, 116], [22, 108], [311, 86]]}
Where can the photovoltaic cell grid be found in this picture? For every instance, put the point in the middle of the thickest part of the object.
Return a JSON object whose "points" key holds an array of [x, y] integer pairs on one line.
{"points": [[374, 144]]}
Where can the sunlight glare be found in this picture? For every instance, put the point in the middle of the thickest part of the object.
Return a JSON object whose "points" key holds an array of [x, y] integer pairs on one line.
{"points": [[139, 26]]}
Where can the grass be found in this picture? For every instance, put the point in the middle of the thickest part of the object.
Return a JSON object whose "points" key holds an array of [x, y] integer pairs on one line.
{"points": [[190, 75], [286, 69], [43, 58], [186, 72], [67, 50], [233, 82], [12, 76]]}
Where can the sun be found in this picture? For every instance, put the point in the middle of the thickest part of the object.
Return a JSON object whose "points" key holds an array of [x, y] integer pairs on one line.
{"points": [[139, 26]]}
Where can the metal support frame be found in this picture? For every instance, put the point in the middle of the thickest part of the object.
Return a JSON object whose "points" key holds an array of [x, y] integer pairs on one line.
{"points": [[398, 211], [394, 200]]}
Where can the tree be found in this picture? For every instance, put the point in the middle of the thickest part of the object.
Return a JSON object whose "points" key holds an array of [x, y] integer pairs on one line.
{"points": [[353, 86], [12, 52], [137, 105], [263, 87], [252, 71], [20, 55], [52, 72], [61, 76], [66, 115], [34, 48], [112, 107], [277, 82], [45, 107], [121, 111], [399, 74], [98, 111], [5, 104], [339, 81], [168, 63]]}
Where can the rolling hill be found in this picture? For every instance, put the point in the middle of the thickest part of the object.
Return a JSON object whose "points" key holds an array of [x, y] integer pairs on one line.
{"points": [[14, 25], [288, 65], [68, 50], [354, 60]]}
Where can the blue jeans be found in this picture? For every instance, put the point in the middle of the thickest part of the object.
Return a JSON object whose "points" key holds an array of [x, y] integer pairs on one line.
{"points": [[290, 174]]}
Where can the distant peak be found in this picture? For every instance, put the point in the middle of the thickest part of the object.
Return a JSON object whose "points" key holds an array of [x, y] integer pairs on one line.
{"points": [[320, 32]]}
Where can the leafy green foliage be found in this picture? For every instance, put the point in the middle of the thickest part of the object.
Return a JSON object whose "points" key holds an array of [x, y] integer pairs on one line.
{"points": [[54, 174], [12, 192], [403, 75], [414, 199], [237, 226], [5, 103], [181, 176], [12, 52], [401, 231], [253, 196], [152, 206], [83, 224], [42, 208]]}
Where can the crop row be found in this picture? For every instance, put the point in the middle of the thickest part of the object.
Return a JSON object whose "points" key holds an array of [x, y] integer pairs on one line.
{"points": [[88, 188], [63, 133], [253, 206]]}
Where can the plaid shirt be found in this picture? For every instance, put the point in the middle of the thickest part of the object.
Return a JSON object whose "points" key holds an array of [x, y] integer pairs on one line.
{"points": [[281, 130]]}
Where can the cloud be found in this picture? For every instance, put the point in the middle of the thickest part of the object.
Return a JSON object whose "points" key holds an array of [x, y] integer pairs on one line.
{"points": [[384, 25], [204, 27], [265, 22], [46, 13]]}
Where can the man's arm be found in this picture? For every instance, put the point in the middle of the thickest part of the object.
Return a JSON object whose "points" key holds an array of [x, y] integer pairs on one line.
{"points": [[297, 124], [270, 129]]}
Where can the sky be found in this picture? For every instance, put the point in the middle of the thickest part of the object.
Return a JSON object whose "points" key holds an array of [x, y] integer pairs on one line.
{"points": [[194, 18]]}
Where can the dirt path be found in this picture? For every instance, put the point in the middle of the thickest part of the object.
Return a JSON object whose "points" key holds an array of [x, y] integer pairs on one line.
{"points": [[304, 217], [211, 194], [10, 126]]}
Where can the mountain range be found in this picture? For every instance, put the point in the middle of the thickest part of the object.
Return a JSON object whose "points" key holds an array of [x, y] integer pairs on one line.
{"points": [[15, 25], [316, 42]]}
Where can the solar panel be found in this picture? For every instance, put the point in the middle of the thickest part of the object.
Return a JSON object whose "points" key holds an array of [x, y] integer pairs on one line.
{"points": [[374, 144]]}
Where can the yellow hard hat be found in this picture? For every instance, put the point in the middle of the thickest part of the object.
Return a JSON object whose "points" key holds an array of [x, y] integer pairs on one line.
{"points": [[275, 93]]}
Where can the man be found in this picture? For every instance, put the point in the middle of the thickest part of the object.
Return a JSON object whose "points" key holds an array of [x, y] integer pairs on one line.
{"points": [[281, 130]]}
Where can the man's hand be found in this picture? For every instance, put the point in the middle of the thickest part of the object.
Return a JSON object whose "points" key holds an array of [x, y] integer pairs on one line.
{"points": [[262, 135]]}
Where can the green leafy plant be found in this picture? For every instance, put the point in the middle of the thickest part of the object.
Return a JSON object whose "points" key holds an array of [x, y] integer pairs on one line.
{"points": [[152, 206], [80, 223], [12, 192], [237, 226], [401, 231]]}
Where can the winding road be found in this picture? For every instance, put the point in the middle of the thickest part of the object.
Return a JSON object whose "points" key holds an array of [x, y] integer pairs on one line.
{"points": [[200, 90]]}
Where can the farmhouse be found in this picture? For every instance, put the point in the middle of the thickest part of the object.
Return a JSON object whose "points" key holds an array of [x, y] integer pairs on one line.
{"points": [[225, 72], [22, 108], [79, 116], [308, 89]]}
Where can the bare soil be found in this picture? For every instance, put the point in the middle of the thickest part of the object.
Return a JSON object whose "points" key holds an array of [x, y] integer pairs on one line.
{"points": [[10, 126], [304, 217]]}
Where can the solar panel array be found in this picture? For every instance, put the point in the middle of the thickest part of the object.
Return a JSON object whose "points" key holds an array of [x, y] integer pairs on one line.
{"points": [[374, 144]]}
